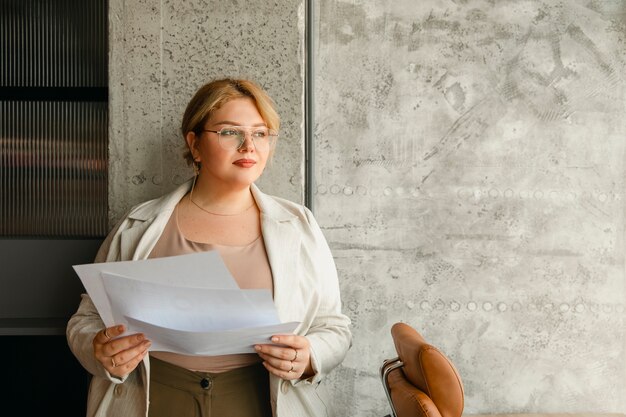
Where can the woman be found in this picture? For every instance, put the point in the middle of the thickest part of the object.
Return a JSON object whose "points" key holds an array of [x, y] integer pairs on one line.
{"points": [[266, 242]]}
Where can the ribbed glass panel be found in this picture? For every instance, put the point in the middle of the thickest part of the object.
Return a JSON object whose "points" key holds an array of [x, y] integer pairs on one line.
{"points": [[53, 149], [60, 43], [53, 158]]}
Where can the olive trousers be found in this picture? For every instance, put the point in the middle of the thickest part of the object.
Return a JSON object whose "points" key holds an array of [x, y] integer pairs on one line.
{"points": [[179, 392]]}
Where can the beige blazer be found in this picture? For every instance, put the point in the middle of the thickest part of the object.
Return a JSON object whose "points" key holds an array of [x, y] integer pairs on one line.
{"points": [[306, 289]]}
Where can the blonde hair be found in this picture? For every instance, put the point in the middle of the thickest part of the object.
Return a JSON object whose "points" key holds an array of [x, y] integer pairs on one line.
{"points": [[214, 95]]}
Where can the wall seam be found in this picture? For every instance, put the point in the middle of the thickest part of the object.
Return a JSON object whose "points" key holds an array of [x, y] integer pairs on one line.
{"points": [[308, 105]]}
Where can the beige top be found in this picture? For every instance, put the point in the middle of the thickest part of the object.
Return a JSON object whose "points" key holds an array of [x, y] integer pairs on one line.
{"points": [[248, 265]]}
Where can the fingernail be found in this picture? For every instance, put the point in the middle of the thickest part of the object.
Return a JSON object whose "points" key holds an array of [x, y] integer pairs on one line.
{"points": [[257, 347], [147, 343], [274, 339], [140, 337], [120, 328]]}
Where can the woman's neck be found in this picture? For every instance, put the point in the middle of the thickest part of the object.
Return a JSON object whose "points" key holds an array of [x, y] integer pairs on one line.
{"points": [[218, 198]]}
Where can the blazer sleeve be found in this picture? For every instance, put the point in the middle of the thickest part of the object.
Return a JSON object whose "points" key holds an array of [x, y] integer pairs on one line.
{"points": [[329, 335], [83, 326]]}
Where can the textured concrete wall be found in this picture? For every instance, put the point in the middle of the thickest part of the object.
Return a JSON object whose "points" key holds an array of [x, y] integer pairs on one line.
{"points": [[161, 51], [470, 178], [469, 173]]}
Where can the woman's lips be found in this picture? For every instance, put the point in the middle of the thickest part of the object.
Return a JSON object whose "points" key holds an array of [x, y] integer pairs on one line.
{"points": [[245, 163]]}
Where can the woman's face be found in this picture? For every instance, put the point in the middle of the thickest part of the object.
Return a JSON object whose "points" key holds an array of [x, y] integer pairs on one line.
{"points": [[230, 167]]}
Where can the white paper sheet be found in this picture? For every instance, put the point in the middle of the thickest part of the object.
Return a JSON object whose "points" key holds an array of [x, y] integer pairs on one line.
{"points": [[187, 304], [210, 343], [196, 270], [188, 309]]}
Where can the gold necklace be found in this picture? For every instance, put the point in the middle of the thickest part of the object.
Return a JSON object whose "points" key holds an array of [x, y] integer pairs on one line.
{"points": [[219, 214], [216, 214]]}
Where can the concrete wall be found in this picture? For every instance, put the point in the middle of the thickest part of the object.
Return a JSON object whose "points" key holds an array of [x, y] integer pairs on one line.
{"points": [[468, 173], [469, 178], [161, 51]]}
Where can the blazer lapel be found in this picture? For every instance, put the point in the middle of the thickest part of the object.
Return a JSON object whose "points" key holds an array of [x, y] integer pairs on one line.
{"points": [[282, 244], [129, 240], [149, 220]]}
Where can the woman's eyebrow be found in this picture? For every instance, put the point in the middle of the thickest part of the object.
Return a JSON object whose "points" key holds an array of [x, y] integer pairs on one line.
{"points": [[231, 123]]}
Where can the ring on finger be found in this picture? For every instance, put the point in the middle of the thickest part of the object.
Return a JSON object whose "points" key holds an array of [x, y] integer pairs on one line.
{"points": [[296, 356], [113, 363], [106, 333], [291, 370]]}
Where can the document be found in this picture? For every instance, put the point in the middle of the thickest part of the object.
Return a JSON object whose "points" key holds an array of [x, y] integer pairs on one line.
{"points": [[187, 304], [211, 343]]}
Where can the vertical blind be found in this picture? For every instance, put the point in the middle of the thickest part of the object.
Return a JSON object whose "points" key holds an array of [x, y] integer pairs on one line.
{"points": [[53, 118]]}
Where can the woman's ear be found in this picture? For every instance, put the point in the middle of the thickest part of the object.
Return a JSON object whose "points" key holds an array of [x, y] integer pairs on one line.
{"points": [[192, 143]]}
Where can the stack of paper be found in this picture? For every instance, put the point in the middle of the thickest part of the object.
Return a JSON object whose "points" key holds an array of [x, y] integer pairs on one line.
{"points": [[186, 304]]}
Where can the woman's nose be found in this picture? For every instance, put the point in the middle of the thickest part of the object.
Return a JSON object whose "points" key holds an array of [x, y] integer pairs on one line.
{"points": [[248, 143]]}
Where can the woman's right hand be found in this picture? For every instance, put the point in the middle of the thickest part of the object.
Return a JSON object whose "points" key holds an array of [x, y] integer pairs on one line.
{"points": [[122, 355]]}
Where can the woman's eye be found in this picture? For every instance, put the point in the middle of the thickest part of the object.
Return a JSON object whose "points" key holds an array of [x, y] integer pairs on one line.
{"points": [[229, 132], [260, 134]]}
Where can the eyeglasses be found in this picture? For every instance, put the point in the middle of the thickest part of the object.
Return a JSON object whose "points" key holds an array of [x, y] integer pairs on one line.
{"points": [[233, 137]]}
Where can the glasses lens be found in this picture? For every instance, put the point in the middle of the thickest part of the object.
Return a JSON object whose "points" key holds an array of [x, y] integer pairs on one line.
{"points": [[231, 137], [234, 137], [263, 138]]}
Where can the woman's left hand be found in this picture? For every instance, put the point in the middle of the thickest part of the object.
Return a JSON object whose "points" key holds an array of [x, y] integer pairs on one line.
{"points": [[291, 360]]}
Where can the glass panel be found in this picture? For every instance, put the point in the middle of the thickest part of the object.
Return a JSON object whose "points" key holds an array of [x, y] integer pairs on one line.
{"points": [[53, 118], [61, 43], [53, 169]]}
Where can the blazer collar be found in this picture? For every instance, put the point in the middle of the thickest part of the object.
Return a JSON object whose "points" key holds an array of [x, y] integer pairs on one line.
{"points": [[270, 208], [151, 209], [148, 221]]}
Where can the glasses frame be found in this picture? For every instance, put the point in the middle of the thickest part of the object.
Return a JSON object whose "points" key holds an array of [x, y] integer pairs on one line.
{"points": [[248, 130]]}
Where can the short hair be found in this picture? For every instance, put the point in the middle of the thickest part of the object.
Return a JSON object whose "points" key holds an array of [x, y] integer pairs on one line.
{"points": [[215, 94]]}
